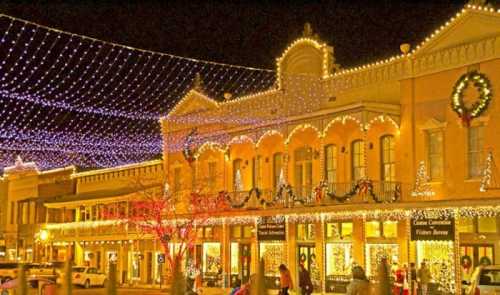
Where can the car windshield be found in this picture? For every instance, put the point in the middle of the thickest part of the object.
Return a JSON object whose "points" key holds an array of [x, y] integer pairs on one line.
{"points": [[78, 269], [490, 277]]}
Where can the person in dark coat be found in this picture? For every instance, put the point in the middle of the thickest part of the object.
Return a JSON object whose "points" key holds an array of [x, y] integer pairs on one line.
{"points": [[305, 282]]}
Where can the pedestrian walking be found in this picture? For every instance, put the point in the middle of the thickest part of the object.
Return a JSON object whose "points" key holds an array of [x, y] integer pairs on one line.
{"points": [[305, 283], [285, 280], [424, 278]]}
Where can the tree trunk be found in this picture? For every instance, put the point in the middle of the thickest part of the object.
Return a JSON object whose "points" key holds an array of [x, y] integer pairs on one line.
{"points": [[67, 285], [178, 280], [111, 285], [22, 284]]}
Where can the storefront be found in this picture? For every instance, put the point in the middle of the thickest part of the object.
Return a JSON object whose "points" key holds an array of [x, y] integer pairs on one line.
{"points": [[434, 239], [307, 254], [241, 253], [338, 255], [271, 234], [381, 242], [212, 264]]}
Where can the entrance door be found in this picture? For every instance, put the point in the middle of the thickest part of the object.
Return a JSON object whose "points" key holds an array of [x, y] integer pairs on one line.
{"points": [[149, 268], [475, 255], [307, 257], [245, 259], [303, 171]]}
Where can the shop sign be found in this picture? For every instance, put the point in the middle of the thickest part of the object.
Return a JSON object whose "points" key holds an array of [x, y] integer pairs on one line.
{"points": [[161, 258], [271, 229], [433, 229]]}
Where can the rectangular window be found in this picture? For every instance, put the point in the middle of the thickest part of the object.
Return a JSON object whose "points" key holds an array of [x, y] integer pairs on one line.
{"points": [[358, 160], [465, 225], [475, 147], [305, 231], [212, 176], [331, 163], [277, 169], [372, 229], [390, 229], [388, 158], [487, 224], [339, 230], [435, 153]]}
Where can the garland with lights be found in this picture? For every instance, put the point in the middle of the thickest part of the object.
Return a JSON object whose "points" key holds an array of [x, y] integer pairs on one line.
{"points": [[483, 86], [363, 187]]}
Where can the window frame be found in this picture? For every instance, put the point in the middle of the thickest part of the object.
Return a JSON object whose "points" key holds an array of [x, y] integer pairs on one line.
{"points": [[362, 155], [429, 132], [480, 152], [334, 159], [391, 162]]}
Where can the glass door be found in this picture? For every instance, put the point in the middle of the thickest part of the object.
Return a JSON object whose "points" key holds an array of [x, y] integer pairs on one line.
{"points": [[307, 257]]}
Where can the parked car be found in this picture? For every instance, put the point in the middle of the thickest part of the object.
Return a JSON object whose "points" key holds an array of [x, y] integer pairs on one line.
{"points": [[44, 271], [88, 276], [485, 280], [8, 271]]}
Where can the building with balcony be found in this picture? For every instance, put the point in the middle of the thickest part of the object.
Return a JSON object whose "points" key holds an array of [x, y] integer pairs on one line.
{"points": [[329, 168]]}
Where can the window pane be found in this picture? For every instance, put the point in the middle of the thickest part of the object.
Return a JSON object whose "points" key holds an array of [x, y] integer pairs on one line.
{"points": [[277, 166], [373, 229], [332, 231], [387, 161], [487, 224], [358, 158], [475, 149], [435, 153], [465, 225], [247, 231], [301, 232], [346, 229], [390, 229], [236, 231]]}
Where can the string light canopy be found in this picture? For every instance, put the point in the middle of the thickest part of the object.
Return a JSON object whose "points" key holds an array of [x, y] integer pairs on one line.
{"points": [[71, 99]]}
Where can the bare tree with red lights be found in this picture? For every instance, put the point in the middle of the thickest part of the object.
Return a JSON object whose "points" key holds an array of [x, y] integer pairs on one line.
{"points": [[171, 220]]}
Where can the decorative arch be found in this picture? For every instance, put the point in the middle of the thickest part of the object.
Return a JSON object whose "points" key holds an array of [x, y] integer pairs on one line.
{"points": [[268, 134], [209, 145], [302, 127], [343, 120], [381, 119], [240, 139]]}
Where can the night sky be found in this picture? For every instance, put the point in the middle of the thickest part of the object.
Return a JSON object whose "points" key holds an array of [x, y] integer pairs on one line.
{"points": [[245, 32]]}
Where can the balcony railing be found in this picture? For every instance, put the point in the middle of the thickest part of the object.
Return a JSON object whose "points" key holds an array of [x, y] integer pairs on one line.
{"points": [[363, 191]]}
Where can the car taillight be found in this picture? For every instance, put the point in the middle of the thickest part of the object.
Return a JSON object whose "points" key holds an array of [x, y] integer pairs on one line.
{"points": [[477, 291]]}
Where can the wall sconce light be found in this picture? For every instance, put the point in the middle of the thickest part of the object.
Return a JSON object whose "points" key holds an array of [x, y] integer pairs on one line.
{"points": [[267, 160], [342, 149], [370, 145]]}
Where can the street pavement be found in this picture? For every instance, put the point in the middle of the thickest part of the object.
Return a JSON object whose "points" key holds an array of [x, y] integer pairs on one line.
{"points": [[99, 291]]}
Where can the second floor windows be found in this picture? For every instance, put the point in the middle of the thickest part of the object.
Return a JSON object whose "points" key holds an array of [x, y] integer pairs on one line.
{"points": [[475, 146], [212, 176], [358, 160], [277, 169], [303, 170], [237, 177], [388, 158], [331, 163], [435, 154]]}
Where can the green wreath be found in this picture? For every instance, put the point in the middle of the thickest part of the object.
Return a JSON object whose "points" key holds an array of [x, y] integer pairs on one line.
{"points": [[482, 84]]}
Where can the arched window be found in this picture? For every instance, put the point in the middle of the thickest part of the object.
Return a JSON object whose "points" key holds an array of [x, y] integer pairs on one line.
{"points": [[387, 158], [237, 177], [331, 163], [277, 168], [358, 160], [303, 170]]}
